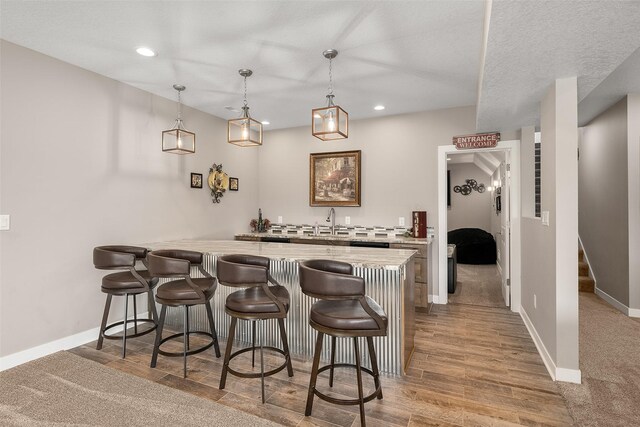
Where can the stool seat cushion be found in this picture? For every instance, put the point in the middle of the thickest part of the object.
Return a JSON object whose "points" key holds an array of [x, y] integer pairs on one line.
{"points": [[180, 289], [255, 300], [124, 280], [346, 315]]}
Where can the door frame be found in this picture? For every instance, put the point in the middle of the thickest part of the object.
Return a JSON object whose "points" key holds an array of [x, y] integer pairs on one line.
{"points": [[513, 146]]}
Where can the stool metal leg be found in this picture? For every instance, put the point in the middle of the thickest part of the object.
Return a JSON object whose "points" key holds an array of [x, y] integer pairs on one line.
{"points": [[227, 351], [124, 326], [333, 360], [135, 314], [103, 324], [253, 343], [262, 356], [156, 346], [359, 376], [285, 346], [374, 365], [212, 327], [314, 374], [185, 346]]}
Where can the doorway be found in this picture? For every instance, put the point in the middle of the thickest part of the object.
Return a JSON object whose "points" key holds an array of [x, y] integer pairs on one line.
{"points": [[507, 233]]}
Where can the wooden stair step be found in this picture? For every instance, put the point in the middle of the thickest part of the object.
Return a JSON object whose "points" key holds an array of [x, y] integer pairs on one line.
{"points": [[580, 255], [586, 284], [583, 268]]}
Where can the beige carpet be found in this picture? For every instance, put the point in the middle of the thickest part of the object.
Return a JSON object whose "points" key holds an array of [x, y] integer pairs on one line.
{"points": [[65, 389], [478, 285], [610, 363]]}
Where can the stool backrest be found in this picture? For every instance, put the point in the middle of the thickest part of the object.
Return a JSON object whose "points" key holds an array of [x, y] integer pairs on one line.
{"points": [[174, 262], [242, 270], [328, 279], [115, 257]]}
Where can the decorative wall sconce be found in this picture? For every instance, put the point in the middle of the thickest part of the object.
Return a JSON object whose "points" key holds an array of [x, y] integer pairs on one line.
{"points": [[179, 140], [466, 189], [218, 182], [244, 131], [330, 122]]}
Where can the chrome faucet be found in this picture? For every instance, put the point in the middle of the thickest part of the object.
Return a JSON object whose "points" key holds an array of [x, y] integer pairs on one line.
{"points": [[332, 219]]}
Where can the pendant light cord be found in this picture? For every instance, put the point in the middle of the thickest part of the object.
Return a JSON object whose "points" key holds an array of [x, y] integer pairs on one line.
{"points": [[245, 91], [330, 77], [179, 106]]}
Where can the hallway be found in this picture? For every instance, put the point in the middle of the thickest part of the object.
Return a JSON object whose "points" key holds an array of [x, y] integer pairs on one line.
{"points": [[478, 285]]}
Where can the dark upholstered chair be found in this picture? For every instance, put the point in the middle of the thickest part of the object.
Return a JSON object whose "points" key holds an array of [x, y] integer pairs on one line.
{"points": [[343, 311], [256, 303], [128, 282], [182, 291]]}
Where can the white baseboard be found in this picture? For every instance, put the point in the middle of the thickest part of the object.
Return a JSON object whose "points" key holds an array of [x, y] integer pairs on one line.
{"points": [[75, 340], [631, 312], [557, 374]]}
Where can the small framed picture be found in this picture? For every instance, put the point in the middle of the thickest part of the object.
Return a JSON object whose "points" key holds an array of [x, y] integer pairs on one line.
{"points": [[196, 180], [233, 184]]}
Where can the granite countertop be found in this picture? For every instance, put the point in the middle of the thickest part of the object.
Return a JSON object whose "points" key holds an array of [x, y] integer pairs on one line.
{"points": [[334, 237], [388, 259]]}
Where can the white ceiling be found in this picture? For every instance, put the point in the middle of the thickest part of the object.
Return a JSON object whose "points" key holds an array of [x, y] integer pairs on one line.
{"points": [[487, 161], [408, 55]]}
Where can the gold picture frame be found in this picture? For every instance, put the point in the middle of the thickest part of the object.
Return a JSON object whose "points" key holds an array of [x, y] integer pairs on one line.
{"points": [[334, 178]]}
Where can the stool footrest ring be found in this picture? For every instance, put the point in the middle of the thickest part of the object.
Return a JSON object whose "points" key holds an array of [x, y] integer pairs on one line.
{"points": [[256, 374], [189, 352], [139, 334], [337, 401]]}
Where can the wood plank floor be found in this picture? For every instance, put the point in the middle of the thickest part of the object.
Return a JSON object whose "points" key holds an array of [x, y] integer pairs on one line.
{"points": [[472, 366]]}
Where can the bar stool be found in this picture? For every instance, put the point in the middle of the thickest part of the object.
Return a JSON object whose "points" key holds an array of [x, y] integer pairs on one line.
{"points": [[130, 282], [343, 311], [184, 291], [256, 303]]}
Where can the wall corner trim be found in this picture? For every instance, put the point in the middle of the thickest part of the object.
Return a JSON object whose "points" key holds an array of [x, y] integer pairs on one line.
{"points": [[557, 374], [631, 312]]}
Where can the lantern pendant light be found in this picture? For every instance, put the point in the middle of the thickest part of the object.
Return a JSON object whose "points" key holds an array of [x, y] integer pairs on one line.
{"points": [[179, 140], [331, 122], [244, 131]]}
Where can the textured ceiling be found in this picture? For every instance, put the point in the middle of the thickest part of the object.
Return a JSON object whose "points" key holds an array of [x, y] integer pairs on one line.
{"points": [[408, 55], [531, 43]]}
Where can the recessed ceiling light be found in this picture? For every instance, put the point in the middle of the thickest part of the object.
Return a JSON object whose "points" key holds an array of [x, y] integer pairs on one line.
{"points": [[145, 51], [379, 107], [266, 122]]}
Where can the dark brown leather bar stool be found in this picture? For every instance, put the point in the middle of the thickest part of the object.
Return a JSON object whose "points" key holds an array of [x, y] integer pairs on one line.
{"points": [[183, 291], [256, 303], [129, 282], [343, 311]]}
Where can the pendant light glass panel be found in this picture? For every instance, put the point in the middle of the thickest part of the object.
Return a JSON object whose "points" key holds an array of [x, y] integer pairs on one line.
{"points": [[330, 123], [244, 132], [179, 140]]}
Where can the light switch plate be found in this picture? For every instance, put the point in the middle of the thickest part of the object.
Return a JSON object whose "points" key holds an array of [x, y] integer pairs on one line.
{"points": [[401, 221], [280, 219], [544, 216], [5, 222], [347, 220]]}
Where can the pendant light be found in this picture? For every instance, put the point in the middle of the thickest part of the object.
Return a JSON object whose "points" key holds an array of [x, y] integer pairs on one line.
{"points": [[244, 131], [179, 140], [331, 122]]}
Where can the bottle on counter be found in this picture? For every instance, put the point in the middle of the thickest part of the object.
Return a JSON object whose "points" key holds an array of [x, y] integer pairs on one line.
{"points": [[260, 221]]}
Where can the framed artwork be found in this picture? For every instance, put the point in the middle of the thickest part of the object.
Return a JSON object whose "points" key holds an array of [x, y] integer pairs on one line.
{"points": [[334, 178], [196, 180], [233, 184]]}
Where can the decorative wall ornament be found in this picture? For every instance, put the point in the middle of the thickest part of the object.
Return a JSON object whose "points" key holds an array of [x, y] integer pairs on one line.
{"points": [[466, 189], [196, 180], [218, 182]]}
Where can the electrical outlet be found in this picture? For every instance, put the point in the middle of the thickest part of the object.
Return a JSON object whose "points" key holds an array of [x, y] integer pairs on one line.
{"points": [[279, 219], [401, 221], [347, 220], [535, 301], [5, 222]]}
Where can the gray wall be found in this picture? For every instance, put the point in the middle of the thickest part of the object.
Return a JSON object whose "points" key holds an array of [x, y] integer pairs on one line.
{"points": [[81, 165], [473, 210], [603, 204], [399, 169], [549, 267], [633, 162]]}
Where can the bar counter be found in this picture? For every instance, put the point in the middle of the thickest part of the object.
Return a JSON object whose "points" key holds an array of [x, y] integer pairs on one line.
{"points": [[388, 275]]}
